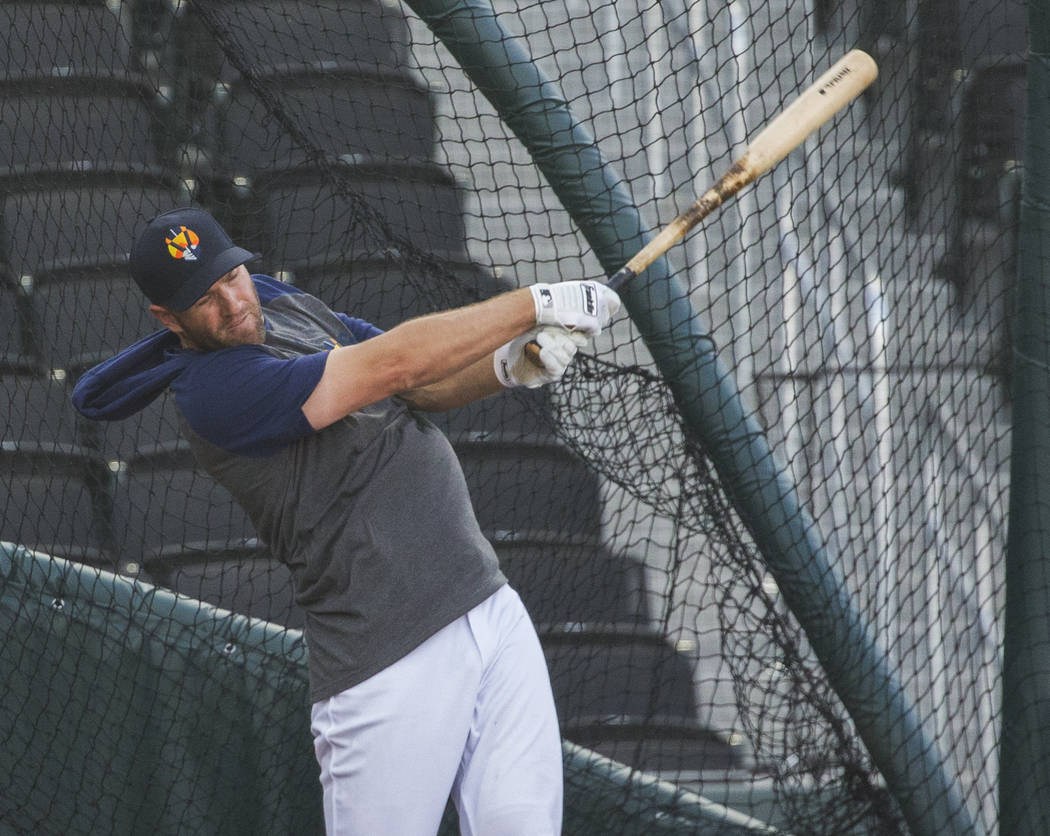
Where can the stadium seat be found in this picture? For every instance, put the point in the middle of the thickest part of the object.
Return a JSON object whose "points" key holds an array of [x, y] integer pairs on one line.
{"points": [[64, 239], [380, 291], [600, 672], [57, 495], [566, 581], [156, 424], [57, 217], [62, 39], [954, 39], [360, 36], [951, 42], [184, 531], [681, 749], [888, 19], [48, 121], [991, 27], [344, 212], [936, 25], [12, 319], [386, 290], [514, 414], [339, 109], [162, 501], [81, 313], [360, 33], [520, 485], [38, 402], [991, 150], [240, 576]]}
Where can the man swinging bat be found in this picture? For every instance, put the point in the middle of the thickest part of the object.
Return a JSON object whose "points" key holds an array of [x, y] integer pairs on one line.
{"points": [[426, 675]]}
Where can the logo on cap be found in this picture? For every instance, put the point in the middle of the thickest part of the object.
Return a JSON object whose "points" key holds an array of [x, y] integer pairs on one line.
{"points": [[182, 244]]}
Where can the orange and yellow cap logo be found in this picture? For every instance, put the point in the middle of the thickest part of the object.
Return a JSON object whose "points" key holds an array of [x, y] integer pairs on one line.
{"points": [[182, 244]]}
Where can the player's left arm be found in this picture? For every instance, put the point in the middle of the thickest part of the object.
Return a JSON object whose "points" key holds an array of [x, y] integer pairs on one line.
{"points": [[507, 367], [476, 381]]}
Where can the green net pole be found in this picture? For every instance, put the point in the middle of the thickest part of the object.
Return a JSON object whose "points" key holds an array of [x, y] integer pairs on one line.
{"points": [[533, 108], [1024, 775], [602, 796]]}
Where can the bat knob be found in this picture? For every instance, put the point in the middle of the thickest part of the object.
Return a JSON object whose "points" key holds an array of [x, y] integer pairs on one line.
{"points": [[532, 352]]}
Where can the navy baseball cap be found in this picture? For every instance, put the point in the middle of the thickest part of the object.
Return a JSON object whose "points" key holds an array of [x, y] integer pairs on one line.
{"points": [[182, 253]]}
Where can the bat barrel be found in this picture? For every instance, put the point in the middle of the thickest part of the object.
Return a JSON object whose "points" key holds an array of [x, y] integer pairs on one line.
{"points": [[833, 90], [839, 85]]}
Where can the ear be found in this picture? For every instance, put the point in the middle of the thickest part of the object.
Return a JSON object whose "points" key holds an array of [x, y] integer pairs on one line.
{"points": [[167, 318]]}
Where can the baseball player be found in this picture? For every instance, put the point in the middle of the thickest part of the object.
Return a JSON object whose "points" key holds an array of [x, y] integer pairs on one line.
{"points": [[426, 676]]}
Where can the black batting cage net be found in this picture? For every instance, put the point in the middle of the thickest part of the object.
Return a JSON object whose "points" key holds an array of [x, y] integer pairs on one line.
{"points": [[855, 301]]}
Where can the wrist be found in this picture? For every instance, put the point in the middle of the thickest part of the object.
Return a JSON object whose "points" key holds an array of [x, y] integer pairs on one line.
{"points": [[542, 300], [502, 366]]}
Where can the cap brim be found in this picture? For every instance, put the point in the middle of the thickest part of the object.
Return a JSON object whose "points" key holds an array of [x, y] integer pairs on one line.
{"points": [[222, 264]]}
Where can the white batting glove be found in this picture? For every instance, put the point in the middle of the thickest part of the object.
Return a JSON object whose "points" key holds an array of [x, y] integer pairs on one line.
{"points": [[557, 348], [577, 306]]}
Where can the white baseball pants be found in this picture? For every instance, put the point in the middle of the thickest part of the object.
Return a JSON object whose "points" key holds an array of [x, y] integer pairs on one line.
{"points": [[468, 713]]}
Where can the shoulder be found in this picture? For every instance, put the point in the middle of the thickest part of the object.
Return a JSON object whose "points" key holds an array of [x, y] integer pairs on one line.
{"points": [[231, 372], [246, 399], [279, 297], [270, 289], [223, 374], [199, 366]]}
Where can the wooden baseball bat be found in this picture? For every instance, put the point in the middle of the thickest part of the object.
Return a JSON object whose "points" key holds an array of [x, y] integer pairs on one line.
{"points": [[837, 87]]}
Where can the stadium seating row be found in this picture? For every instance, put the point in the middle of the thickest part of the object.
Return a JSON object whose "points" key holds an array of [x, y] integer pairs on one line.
{"points": [[157, 502]]}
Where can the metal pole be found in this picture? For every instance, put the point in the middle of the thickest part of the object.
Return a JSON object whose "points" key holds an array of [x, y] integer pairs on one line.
{"points": [[1024, 776]]}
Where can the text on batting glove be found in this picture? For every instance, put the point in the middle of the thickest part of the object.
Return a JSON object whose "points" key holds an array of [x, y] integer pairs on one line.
{"points": [[557, 348], [585, 306]]}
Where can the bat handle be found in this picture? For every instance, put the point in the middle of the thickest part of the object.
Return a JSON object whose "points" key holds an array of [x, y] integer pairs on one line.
{"points": [[532, 352], [620, 276]]}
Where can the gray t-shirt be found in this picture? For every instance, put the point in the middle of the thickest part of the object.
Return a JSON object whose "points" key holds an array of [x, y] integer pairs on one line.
{"points": [[372, 514]]}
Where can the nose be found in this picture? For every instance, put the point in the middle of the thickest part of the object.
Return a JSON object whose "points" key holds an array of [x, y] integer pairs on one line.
{"points": [[229, 303]]}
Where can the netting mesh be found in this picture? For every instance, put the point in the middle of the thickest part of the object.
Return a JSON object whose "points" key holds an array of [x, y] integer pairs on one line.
{"points": [[858, 294]]}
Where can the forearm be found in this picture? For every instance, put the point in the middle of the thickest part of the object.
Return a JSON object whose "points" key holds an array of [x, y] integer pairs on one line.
{"points": [[431, 351], [473, 383]]}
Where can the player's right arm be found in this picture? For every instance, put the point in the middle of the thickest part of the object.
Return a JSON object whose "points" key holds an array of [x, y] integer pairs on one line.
{"points": [[446, 358]]}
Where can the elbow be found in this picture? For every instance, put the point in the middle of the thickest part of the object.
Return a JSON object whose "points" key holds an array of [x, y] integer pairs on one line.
{"points": [[351, 381], [359, 375]]}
